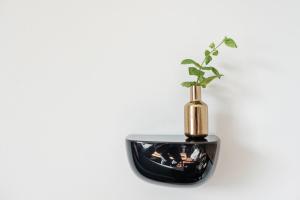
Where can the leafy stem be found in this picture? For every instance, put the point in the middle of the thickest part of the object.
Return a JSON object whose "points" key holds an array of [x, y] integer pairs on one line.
{"points": [[214, 49], [203, 68]]}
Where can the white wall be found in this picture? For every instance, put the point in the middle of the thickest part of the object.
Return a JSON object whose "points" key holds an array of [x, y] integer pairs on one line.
{"points": [[78, 76]]}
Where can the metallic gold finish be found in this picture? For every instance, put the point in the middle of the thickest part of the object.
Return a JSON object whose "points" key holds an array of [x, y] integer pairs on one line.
{"points": [[195, 115]]}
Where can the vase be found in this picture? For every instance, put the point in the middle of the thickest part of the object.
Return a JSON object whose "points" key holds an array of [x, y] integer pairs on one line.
{"points": [[195, 115]]}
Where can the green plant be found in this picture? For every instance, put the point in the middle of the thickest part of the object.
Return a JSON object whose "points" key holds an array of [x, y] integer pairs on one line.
{"points": [[200, 70]]}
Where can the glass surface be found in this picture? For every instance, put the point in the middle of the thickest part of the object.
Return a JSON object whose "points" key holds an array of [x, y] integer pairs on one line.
{"points": [[173, 158], [171, 138]]}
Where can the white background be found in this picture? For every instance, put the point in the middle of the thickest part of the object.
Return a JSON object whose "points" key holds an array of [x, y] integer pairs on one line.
{"points": [[76, 77]]}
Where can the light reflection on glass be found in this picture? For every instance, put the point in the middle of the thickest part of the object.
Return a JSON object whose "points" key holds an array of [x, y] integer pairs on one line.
{"points": [[176, 156]]}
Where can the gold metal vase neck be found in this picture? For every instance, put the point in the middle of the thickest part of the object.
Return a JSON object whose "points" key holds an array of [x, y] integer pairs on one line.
{"points": [[195, 115], [195, 93]]}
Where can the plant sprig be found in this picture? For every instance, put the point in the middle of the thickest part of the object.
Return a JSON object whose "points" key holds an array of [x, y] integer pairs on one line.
{"points": [[199, 70]]}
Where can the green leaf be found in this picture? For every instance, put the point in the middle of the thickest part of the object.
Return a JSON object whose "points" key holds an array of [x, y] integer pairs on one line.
{"points": [[207, 68], [196, 72], [200, 78], [207, 80], [206, 53], [214, 70], [187, 61], [230, 42], [212, 45], [215, 53], [190, 61], [188, 84], [208, 59]]}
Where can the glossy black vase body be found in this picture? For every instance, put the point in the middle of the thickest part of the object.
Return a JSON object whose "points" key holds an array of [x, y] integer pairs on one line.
{"points": [[173, 158]]}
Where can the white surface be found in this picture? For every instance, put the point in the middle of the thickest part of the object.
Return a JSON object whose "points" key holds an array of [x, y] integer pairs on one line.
{"points": [[78, 76]]}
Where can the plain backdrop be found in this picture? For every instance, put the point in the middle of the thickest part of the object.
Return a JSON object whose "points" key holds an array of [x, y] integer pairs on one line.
{"points": [[76, 77]]}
